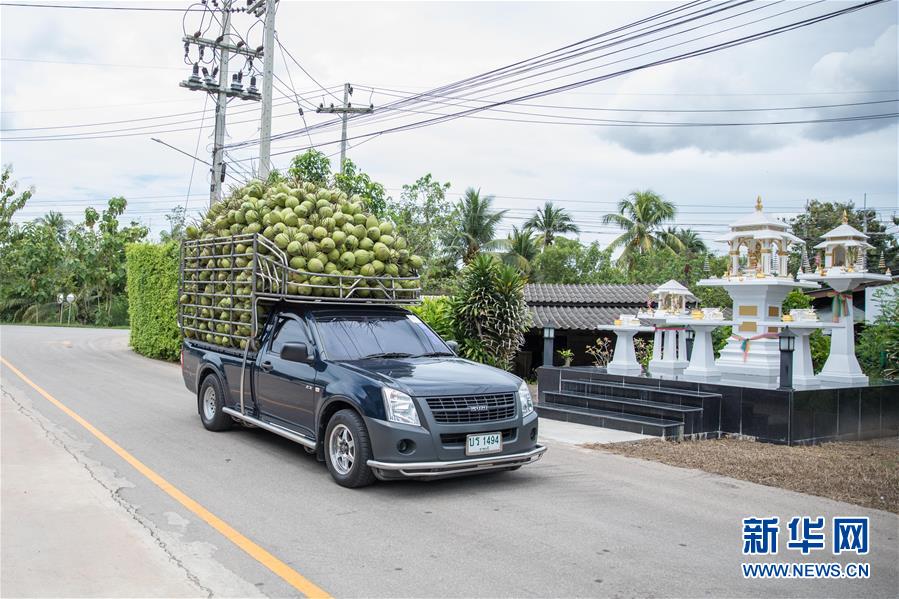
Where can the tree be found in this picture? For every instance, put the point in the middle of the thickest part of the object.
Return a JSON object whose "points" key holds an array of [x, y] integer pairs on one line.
{"points": [[569, 261], [56, 222], [690, 240], [820, 217], [520, 249], [176, 219], [475, 226], [489, 312], [642, 215], [10, 202], [312, 166], [422, 215], [352, 181], [550, 221]]}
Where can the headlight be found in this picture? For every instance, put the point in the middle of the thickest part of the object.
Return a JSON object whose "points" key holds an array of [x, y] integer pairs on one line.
{"points": [[524, 398], [400, 407]]}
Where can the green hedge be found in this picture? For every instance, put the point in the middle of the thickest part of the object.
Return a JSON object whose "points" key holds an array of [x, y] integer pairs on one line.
{"points": [[153, 299]]}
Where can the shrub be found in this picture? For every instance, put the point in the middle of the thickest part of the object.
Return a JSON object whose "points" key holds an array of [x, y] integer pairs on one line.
{"points": [[877, 348], [435, 312], [489, 311], [152, 271]]}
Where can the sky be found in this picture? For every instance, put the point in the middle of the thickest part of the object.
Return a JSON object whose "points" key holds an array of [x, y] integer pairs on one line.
{"points": [[117, 73]]}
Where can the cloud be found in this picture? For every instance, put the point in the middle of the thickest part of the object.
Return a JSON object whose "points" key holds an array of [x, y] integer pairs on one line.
{"points": [[717, 85]]}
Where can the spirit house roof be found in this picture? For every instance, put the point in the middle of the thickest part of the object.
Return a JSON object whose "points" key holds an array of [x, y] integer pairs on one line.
{"points": [[845, 235], [760, 226]]}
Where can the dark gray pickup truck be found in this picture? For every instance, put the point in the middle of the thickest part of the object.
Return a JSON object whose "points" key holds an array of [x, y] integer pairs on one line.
{"points": [[344, 370], [371, 390]]}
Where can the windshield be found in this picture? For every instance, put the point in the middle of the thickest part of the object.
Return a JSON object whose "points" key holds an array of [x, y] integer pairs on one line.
{"points": [[354, 337]]}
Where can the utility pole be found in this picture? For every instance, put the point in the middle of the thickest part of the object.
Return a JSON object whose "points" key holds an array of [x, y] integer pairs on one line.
{"points": [[268, 66], [223, 49], [221, 103], [344, 112]]}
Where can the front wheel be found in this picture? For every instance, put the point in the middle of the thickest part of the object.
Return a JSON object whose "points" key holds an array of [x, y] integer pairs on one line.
{"points": [[348, 450]]}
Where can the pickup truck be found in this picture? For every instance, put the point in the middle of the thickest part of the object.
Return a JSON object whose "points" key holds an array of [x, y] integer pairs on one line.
{"points": [[371, 390]]}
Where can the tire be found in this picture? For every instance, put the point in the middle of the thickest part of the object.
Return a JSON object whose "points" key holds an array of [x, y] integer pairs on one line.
{"points": [[211, 400], [348, 449]]}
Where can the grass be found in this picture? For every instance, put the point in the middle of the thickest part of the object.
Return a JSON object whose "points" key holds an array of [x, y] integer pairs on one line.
{"points": [[74, 325], [865, 473]]}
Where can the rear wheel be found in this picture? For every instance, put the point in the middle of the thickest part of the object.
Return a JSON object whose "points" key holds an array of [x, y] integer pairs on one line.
{"points": [[348, 450], [212, 400]]}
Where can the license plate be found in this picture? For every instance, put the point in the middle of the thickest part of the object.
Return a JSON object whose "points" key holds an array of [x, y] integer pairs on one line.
{"points": [[484, 443]]}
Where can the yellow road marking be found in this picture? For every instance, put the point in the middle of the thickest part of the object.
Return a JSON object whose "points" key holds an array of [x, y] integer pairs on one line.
{"points": [[288, 574]]}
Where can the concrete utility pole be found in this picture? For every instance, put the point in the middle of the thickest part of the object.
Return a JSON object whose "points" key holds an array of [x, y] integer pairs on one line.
{"points": [[221, 89], [268, 44], [221, 103], [344, 112]]}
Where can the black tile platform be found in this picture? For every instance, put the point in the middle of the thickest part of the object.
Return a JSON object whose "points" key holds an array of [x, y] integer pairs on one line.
{"points": [[677, 408]]}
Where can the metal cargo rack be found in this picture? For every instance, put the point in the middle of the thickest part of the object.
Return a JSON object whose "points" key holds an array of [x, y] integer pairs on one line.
{"points": [[257, 276]]}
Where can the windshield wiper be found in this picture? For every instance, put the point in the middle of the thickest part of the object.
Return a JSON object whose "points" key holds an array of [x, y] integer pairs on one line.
{"points": [[388, 355], [435, 354]]}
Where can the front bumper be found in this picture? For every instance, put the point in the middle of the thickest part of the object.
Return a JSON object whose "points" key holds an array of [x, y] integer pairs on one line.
{"points": [[456, 467]]}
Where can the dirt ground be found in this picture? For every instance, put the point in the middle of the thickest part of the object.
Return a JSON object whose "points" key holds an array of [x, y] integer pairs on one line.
{"points": [[865, 473]]}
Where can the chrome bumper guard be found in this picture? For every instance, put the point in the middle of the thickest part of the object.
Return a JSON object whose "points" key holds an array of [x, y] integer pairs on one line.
{"points": [[434, 469]]}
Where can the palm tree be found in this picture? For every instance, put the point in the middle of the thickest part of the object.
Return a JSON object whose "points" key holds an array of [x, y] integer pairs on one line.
{"points": [[642, 215], [57, 222], [521, 249], [691, 241], [476, 225], [549, 221]]}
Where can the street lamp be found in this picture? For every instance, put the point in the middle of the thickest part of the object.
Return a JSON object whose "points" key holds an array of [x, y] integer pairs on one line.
{"points": [[787, 341], [690, 335], [549, 334], [70, 299]]}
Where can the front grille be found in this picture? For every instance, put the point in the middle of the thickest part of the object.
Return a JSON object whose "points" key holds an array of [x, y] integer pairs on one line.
{"points": [[508, 434], [472, 408]]}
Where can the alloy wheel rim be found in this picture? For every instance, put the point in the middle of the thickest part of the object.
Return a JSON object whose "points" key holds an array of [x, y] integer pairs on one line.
{"points": [[209, 403], [342, 448]]}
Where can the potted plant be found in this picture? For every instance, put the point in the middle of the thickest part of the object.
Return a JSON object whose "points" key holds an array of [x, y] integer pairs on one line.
{"points": [[567, 355]]}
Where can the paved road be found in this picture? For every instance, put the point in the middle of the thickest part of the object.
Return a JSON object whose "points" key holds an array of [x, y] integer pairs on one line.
{"points": [[579, 523]]}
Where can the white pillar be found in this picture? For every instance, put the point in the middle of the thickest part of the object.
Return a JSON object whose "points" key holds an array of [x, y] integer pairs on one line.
{"points": [[624, 361], [657, 345], [670, 352], [803, 370], [842, 365], [681, 346], [702, 360]]}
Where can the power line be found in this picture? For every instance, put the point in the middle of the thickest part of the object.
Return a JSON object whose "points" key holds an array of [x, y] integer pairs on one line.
{"points": [[90, 64], [80, 7], [680, 57], [302, 68]]}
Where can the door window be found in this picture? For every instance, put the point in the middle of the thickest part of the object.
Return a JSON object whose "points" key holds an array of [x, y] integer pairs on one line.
{"points": [[289, 330]]}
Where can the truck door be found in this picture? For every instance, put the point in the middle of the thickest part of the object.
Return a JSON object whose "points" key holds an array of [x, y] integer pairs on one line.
{"points": [[285, 389]]}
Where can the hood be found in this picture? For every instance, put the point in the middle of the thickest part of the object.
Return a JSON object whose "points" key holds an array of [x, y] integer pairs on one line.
{"points": [[429, 377]]}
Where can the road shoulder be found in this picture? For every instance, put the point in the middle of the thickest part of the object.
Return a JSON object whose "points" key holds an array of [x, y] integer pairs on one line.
{"points": [[63, 533]]}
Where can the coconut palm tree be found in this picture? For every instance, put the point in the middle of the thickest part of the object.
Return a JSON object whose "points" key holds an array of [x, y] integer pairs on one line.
{"points": [[642, 215], [689, 240], [520, 249], [476, 224], [549, 221], [57, 222]]}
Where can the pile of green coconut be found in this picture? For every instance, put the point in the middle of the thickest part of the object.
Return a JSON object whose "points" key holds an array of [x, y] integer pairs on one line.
{"points": [[322, 234]]}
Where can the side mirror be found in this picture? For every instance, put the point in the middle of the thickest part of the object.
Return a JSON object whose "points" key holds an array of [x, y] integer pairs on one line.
{"points": [[453, 345], [295, 352]]}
